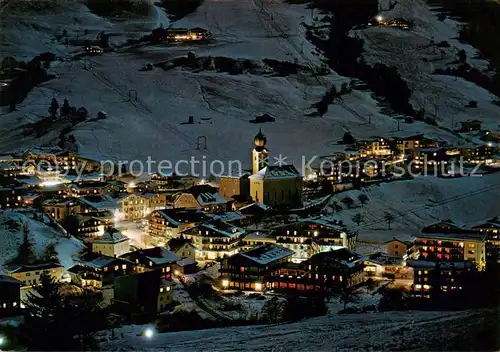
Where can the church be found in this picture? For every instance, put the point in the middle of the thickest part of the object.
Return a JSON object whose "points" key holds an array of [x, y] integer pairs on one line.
{"points": [[273, 185]]}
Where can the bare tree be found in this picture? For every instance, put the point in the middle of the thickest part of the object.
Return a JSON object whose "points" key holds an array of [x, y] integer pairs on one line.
{"points": [[389, 218], [357, 219], [363, 199]]}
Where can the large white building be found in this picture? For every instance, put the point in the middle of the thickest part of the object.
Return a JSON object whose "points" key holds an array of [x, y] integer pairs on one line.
{"points": [[111, 243]]}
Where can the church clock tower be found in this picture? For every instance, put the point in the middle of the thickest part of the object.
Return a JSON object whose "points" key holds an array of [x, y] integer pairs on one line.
{"points": [[260, 154]]}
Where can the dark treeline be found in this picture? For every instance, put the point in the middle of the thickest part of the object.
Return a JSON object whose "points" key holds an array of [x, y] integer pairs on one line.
{"points": [[344, 53]]}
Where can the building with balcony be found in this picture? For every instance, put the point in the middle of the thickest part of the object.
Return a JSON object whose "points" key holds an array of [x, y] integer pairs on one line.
{"points": [[452, 247], [309, 236], [59, 209], [215, 239], [432, 279], [203, 197], [323, 273], [165, 224], [158, 259], [248, 270], [112, 243]]}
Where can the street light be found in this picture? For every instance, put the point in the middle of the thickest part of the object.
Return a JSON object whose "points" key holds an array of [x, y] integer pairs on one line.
{"points": [[149, 333], [3, 341]]}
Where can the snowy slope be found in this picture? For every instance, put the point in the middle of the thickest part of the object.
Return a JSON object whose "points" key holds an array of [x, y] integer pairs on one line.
{"points": [[40, 235], [420, 202], [153, 125], [379, 331], [443, 97]]}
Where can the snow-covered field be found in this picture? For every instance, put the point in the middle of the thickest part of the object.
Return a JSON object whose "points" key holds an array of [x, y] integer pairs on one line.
{"points": [[420, 202], [376, 331], [40, 234]]}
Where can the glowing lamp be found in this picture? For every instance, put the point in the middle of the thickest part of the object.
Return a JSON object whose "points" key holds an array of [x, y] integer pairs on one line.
{"points": [[149, 333]]}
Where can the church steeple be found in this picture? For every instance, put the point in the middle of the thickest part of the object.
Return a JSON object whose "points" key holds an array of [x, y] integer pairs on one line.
{"points": [[260, 154]]}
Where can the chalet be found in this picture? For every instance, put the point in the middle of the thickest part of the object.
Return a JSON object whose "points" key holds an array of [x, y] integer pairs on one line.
{"points": [[182, 248], [405, 145], [99, 204], [10, 296], [397, 247], [137, 206], [204, 197], [86, 276], [248, 270], [112, 243], [11, 194], [322, 273], [451, 247], [29, 275], [375, 147], [432, 278], [386, 266], [492, 230], [59, 209], [255, 210], [93, 50], [178, 34], [144, 293], [158, 259], [233, 217], [185, 266], [84, 227], [11, 167], [215, 239], [477, 154], [198, 33], [169, 223], [429, 157], [80, 189], [101, 270], [313, 235], [444, 226], [470, 125]]}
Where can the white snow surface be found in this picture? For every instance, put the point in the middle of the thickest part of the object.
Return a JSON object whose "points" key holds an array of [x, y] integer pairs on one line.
{"points": [[40, 235], [377, 331]]}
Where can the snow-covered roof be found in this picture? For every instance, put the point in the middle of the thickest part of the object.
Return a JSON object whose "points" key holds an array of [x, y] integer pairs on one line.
{"points": [[257, 204], [5, 278], [442, 265], [157, 255], [267, 253], [276, 172], [325, 221], [186, 261], [60, 202], [44, 150], [471, 236], [18, 268], [222, 228], [343, 255], [104, 202], [99, 262], [111, 236], [177, 217], [260, 236], [228, 216]]}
